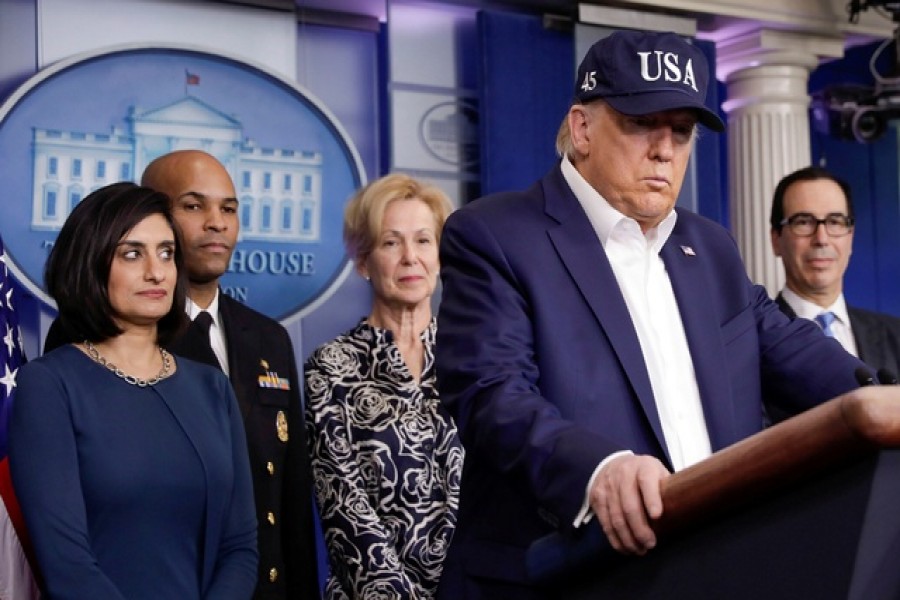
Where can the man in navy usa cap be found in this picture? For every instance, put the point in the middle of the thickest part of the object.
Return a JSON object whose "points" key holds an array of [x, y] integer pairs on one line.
{"points": [[593, 338]]}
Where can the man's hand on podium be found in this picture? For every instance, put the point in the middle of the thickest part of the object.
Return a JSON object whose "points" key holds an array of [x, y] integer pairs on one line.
{"points": [[625, 496]]}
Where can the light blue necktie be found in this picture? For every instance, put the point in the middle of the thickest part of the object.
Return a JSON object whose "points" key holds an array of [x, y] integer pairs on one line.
{"points": [[825, 320]]}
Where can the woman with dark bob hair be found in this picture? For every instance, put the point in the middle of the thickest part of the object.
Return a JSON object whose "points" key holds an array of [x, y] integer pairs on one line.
{"points": [[130, 466], [77, 271]]}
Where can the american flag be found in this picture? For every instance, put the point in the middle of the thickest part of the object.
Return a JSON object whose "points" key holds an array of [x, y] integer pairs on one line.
{"points": [[11, 356], [17, 580]]}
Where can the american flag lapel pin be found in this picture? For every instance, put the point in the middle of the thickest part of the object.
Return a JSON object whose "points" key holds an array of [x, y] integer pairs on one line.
{"points": [[688, 251]]}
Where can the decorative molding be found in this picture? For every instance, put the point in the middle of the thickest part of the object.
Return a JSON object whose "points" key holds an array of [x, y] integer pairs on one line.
{"points": [[632, 19], [333, 18], [822, 16], [774, 47]]}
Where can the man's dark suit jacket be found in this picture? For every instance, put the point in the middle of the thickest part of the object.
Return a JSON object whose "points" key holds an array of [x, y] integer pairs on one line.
{"points": [[877, 336], [259, 353], [541, 367]]}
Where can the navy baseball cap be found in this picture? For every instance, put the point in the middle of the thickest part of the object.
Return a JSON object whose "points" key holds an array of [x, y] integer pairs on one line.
{"points": [[640, 72]]}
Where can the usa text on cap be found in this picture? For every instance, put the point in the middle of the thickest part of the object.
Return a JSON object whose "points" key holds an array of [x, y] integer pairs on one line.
{"points": [[639, 73]]}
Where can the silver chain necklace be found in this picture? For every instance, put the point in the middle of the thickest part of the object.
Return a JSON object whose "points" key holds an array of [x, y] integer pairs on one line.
{"points": [[99, 359]]}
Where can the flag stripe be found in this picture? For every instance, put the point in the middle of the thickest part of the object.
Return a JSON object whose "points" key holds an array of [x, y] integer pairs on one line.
{"points": [[16, 580], [17, 577], [13, 511], [11, 356]]}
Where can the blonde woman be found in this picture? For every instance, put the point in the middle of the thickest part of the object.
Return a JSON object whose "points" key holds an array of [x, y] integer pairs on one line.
{"points": [[386, 457]]}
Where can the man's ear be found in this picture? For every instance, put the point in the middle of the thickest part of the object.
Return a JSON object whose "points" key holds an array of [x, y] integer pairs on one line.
{"points": [[775, 237], [579, 121]]}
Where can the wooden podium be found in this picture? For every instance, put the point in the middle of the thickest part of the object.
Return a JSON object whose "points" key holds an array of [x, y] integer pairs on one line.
{"points": [[809, 508]]}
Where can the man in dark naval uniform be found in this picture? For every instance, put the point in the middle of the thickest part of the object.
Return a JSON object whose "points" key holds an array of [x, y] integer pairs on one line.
{"points": [[256, 354]]}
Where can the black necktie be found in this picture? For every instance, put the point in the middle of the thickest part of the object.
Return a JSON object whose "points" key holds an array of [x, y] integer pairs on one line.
{"points": [[202, 323]]}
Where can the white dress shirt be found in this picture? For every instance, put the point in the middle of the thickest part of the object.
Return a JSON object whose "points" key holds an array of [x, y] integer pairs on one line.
{"points": [[647, 289], [216, 331]]}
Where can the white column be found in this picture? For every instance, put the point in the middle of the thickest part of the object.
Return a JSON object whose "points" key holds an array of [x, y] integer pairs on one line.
{"points": [[766, 73]]}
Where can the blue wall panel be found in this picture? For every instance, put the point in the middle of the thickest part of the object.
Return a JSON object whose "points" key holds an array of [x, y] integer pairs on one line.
{"points": [[527, 83], [712, 197]]}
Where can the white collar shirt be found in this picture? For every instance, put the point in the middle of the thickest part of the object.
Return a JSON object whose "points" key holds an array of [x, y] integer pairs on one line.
{"points": [[843, 332], [216, 330], [647, 289]]}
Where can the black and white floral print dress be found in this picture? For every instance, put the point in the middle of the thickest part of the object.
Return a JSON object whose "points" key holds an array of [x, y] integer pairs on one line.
{"points": [[387, 462]]}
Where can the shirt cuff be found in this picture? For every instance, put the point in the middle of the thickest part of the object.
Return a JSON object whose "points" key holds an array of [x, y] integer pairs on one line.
{"points": [[585, 514]]}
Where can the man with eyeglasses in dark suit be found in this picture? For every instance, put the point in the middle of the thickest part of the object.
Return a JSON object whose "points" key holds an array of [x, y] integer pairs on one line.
{"points": [[812, 231]]}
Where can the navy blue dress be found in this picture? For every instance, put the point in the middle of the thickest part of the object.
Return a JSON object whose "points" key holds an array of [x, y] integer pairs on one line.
{"points": [[131, 492]]}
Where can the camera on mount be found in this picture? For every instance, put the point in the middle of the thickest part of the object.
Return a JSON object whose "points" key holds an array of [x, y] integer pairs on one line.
{"points": [[858, 112]]}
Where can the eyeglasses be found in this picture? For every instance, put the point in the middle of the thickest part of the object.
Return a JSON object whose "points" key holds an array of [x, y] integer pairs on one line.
{"points": [[805, 224]]}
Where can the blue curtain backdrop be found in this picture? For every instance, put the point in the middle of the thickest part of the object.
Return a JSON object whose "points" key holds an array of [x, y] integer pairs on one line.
{"points": [[527, 76]]}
